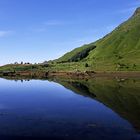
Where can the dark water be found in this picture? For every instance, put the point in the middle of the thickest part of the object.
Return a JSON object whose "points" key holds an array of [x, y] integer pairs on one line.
{"points": [[70, 109]]}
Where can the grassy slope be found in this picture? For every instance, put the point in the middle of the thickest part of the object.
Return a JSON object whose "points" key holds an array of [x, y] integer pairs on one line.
{"points": [[25, 68], [73, 53], [121, 46], [118, 50]]}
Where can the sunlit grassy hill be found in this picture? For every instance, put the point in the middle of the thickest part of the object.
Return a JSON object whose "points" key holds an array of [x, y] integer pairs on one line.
{"points": [[119, 50]]}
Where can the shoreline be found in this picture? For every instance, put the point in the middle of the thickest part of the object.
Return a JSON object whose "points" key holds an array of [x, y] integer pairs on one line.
{"points": [[79, 75], [96, 74]]}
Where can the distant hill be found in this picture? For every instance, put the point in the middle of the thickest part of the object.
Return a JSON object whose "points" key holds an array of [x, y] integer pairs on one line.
{"points": [[119, 50]]}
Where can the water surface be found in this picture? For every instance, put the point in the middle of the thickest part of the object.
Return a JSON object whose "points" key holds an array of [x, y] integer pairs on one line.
{"points": [[69, 109]]}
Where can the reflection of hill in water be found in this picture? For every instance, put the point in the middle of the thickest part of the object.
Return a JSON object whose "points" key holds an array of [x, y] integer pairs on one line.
{"points": [[77, 87], [122, 96]]}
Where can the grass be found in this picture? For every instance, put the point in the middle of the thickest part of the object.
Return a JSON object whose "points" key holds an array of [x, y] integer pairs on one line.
{"points": [[117, 51]]}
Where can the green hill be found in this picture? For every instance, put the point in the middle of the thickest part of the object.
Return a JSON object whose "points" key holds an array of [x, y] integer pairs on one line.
{"points": [[118, 50], [77, 54]]}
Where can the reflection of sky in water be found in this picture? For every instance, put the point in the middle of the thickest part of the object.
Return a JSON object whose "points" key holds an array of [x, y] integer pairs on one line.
{"points": [[2, 106], [43, 102]]}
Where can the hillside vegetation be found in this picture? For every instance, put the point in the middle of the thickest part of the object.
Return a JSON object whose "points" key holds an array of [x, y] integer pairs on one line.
{"points": [[118, 50], [77, 54]]}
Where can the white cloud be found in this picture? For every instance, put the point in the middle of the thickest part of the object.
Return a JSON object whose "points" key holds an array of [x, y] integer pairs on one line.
{"points": [[44, 26], [4, 33]]}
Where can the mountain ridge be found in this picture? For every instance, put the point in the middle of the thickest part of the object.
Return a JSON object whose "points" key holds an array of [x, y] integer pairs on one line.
{"points": [[118, 50]]}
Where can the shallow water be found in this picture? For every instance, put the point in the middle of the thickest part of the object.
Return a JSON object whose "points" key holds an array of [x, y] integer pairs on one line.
{"points": [[69, 109]]}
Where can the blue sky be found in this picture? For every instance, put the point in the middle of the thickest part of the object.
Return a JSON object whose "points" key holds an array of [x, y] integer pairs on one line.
{"points": [[39, 30]]}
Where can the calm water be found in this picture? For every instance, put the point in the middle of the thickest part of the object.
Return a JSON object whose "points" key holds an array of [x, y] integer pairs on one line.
{"points": [[96, 109]]}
